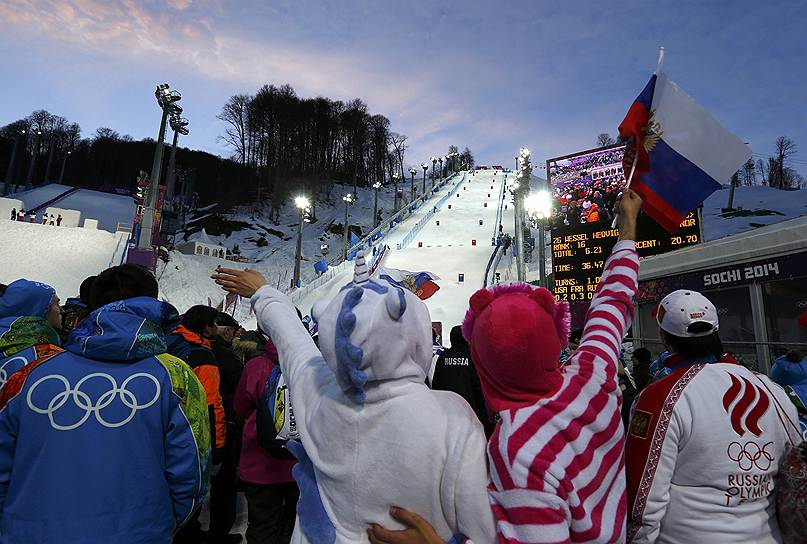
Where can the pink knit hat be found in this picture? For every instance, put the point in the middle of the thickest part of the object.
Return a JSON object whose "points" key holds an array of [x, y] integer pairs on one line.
{"points": [[516, 333]]}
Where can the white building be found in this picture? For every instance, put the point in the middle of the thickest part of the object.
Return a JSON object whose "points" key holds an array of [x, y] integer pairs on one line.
{"points": [[201, 244]]}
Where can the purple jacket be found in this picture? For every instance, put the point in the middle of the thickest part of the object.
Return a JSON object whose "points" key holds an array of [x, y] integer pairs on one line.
{"points": [[257, 466]]}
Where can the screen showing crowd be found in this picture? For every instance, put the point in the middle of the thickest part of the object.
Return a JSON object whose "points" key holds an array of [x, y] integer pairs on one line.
{"points": [[585, 187]]}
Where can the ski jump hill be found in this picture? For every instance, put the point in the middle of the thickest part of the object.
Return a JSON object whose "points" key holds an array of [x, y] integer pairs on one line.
{"points": [[454, 242]]}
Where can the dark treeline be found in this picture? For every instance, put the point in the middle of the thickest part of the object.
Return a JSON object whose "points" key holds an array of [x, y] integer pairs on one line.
{"points": [[108, 160], [308, 144], [281, 145]]}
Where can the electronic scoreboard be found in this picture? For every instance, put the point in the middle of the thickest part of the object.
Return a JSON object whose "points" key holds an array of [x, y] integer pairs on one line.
{"points": [[584, 187]]}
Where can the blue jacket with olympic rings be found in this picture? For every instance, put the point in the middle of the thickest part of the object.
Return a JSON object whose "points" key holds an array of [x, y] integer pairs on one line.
{"points": [[107, 441]]}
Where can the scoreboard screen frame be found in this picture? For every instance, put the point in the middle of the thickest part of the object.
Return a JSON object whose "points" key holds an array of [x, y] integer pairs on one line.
{"points": [[579, 250]]}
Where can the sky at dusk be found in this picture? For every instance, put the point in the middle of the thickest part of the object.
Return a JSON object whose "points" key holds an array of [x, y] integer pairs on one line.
{"points": [[494, 76]]}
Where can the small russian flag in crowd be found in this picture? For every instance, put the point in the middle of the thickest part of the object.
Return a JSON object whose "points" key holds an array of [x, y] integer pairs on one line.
{"points": [[683, 154], [420, 283]]}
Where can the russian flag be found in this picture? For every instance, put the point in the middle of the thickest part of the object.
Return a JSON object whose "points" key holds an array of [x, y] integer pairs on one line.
{"points": [[683, 154], [419, 283]]}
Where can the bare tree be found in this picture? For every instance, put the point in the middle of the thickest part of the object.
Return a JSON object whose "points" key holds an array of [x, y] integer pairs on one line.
{"points": [[236, 114], [762, 168], [785, 148], [749, 173], [604, 140], [398, 142]]}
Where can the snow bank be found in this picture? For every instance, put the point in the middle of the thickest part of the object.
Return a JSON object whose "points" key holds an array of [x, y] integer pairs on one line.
{"points": [[59, 256]]}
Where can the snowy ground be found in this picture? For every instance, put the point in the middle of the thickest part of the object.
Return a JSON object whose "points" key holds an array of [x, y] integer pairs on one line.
{"points": [[59, 256]]}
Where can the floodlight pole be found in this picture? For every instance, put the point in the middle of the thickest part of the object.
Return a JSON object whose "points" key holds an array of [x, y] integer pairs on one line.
{"points": [[64, 163], [425, 167], [346, 237], [147, 222], [376, 187], [170, 181], [412, 173], [10, 170], [298, 255], [29, 178], [518, 197], [542, 252]]}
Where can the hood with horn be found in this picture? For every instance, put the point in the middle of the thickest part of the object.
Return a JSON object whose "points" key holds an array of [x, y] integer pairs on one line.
{"points": [[373, 331]]}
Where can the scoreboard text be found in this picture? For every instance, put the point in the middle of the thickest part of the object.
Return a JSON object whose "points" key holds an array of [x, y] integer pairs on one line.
{"points": [[579, 252]]}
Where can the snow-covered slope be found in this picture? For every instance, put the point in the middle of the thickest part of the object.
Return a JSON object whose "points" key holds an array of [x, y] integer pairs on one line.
{"points": [[59, 256], [756, 206], [109, 209]]}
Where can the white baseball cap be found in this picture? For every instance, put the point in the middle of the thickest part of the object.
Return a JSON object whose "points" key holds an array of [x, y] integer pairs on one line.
{"points": [[680, 309]]}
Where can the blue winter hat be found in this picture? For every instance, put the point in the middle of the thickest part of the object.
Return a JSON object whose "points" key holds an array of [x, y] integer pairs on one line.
{"points": [[26, 298]]}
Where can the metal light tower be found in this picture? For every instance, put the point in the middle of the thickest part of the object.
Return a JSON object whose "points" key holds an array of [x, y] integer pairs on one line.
{"points": [[425, 167], [179, 126], [519, 188], [10, 170], [539, 210], [348, 199], [440, 160], [166, 99], [64, 163], [412, 172], [376, 187], [434, 167], [302, 203], [34, 153], [395, 177]]}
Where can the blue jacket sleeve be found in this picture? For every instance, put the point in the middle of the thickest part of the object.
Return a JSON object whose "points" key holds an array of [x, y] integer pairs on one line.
{"points": [[187, 440]]}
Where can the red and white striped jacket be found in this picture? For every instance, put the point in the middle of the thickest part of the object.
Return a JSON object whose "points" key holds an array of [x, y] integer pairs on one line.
{"points": [[557, 467]]}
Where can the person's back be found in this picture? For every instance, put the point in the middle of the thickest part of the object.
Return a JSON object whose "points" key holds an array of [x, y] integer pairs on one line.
{"points": [[705, 441], [106, 441], [454, 371], [29, 320], [711, 464], [374, 434], [190, 342], [790, 371]]}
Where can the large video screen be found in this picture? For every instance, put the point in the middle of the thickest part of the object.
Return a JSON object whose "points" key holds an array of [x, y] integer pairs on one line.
{"points": [[584, 187]]}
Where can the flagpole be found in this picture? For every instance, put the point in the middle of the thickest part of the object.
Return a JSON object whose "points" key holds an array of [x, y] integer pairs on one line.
{"points": [[659, 62], [627, 185]]}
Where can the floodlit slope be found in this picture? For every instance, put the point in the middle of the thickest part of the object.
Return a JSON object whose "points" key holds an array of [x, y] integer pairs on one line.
{"points": [[447, 248], [59, 256], [329, 289]]}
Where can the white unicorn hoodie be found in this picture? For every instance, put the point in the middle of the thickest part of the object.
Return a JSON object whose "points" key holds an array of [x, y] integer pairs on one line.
{"points": [[374, 434]]}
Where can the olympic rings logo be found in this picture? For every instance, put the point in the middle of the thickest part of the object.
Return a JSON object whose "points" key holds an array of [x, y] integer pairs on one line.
{"points": [[82, 400], [4, 374], [750, 455]]}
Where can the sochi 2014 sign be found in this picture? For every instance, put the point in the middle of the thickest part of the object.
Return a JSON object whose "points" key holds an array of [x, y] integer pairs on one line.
{"points": [[777, 268]]}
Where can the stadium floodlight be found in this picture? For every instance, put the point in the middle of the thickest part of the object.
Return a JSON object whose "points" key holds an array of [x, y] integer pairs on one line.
{"points": [[425, 167], [302, 203], [412, 173], [376, 186], [539, 205], [179, 126], [167, 99], [539, 210], [348, 200]]}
